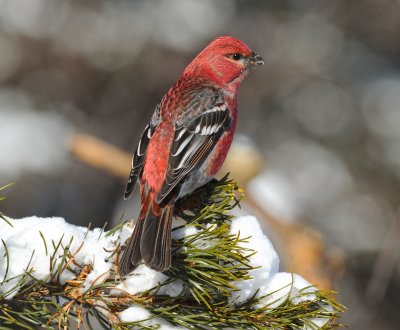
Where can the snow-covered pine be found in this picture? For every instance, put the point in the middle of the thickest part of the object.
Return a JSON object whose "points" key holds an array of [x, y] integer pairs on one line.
{"points": [[224, 275]]}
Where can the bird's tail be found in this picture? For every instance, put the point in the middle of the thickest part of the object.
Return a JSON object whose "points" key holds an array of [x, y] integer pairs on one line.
{"points": [[150, 241], [155, 244], [132, 256]]}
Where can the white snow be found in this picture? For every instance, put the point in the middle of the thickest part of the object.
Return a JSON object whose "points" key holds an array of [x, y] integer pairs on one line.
{"points": [[25, 245], [266, 257], [184, 232], [138, 314], [143, 279], [23, 242], [282, 286], [134, 314]]}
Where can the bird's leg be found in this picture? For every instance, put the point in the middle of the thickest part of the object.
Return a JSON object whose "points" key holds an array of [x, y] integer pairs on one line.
{"points": [[189, 205], [210, 185]]}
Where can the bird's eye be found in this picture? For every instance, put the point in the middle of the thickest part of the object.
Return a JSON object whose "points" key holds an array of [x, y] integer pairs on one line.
{"points": [[237, 56]]}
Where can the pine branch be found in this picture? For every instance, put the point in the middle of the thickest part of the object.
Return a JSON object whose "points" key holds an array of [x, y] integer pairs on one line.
{"points": [[209, 260], [2, 217]]}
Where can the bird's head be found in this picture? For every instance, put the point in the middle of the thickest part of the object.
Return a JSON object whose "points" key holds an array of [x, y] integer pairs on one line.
{"points": [[225, 61]]}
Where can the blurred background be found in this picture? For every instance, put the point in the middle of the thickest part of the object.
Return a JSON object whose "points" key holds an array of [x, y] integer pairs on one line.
{"points": [[319, 123]]}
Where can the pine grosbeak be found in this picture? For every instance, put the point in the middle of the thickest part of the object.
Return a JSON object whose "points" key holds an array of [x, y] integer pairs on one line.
{"points": [[184, 145]]}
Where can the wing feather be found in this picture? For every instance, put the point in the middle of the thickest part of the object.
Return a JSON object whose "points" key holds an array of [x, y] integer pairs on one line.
{"points": [[140, 153], [193, 141]]}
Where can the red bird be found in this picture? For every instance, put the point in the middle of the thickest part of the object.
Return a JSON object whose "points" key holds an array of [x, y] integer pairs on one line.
{"points": [[184, 145]]}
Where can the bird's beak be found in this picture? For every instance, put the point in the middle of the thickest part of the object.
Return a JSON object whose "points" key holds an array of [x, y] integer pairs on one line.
{"points": [[255, 60]]}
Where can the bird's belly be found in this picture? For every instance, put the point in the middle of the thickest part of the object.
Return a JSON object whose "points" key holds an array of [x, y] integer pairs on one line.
{"points": [[193, 181]]}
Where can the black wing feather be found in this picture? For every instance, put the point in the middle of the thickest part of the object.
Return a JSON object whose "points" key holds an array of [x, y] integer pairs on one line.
{"points": [[140, 152], [193, 141]]}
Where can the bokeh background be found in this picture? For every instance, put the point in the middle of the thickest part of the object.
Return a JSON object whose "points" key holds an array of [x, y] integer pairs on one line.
{"points": [[322, 116]]}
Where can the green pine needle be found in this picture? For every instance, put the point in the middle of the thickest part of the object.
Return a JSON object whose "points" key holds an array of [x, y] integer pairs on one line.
{"points": [[206, 263]]}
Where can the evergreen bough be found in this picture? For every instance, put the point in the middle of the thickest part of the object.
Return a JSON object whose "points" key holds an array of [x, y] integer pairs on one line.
{"points": [[207, 263]]}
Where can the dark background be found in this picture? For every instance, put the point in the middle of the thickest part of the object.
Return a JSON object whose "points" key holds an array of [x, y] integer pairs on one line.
{"points": [[324, 113]]}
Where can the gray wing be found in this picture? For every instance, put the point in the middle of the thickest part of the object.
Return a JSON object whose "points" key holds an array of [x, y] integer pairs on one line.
{"points": [[196, 133]]}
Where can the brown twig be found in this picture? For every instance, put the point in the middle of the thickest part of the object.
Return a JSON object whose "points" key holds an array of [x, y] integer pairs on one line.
{"points": [[100, 154]]}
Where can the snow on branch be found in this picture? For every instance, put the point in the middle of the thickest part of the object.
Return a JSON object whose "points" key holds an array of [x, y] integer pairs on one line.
{"points": [[224, 275]]}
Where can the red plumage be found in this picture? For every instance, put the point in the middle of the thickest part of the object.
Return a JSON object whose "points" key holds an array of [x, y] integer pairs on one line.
{"points": [[184, 145]]}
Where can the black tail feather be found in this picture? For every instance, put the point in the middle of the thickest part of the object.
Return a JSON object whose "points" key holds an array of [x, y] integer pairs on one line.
{"points": [[155, 244], [132, 256], [150, 241]]}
